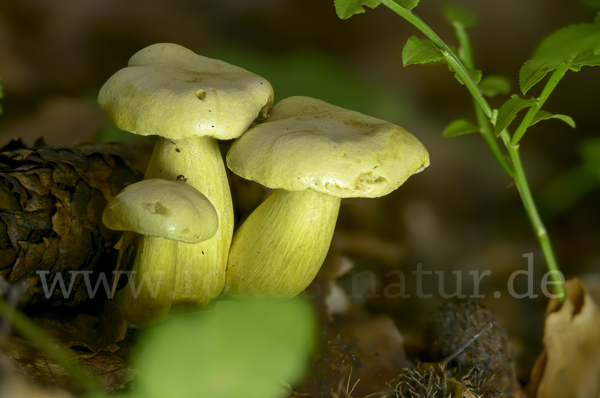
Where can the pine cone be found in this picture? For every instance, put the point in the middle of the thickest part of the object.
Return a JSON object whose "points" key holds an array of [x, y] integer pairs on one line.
{"points": [[51, 203], [437, 381], [455, 323]]}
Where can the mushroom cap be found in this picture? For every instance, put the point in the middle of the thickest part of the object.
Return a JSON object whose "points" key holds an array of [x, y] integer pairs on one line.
{"points": [[167, 209], [309, 144], [170, 91]]}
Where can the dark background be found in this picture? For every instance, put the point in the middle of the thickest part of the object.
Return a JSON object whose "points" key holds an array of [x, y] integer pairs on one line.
{"points": [[461, 214]]}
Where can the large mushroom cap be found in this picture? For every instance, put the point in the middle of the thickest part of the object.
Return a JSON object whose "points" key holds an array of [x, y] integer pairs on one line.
{"points": [[309, 144], [166, 209], [170, 91]]}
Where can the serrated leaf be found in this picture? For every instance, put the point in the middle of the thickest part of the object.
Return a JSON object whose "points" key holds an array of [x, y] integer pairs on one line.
{"points": [[459, 15], [475, 75], [576, 46], [509, 110], [417, 51], [408, 4], [347, 8], [493, 85], [544, 115], [460, 127]]}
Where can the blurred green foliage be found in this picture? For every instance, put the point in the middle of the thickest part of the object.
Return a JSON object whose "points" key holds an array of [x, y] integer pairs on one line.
{"points": [[458, 15], [493, 85], [242, 349], [110, 132], [318, 75], [564, 191], [593, 4]]}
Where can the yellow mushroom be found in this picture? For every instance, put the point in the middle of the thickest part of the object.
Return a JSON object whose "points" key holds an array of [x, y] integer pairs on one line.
{"points": [[165, 213], [189, 101], [313, 154]]}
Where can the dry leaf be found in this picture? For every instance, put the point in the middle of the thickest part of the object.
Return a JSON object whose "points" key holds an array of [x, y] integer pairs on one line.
{"points": [[80, 330], [91, 341], [569, 366], [36, 368]]}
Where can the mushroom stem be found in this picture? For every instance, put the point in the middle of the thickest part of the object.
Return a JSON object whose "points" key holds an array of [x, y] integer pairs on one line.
{"points": [[149, 292], [279, 249], [200, 267]]}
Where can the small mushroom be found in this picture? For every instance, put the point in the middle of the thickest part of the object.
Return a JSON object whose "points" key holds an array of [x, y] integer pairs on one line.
{"points": [[313, 154], [189, 101], [164, 212]]}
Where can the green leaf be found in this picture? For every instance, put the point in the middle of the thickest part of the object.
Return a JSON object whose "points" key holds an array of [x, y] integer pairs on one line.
{"points": [[242, 349], [417, 51], [509, 110], [347, 8], [460, 127], [575, 46], [493, 85], [409, 4], [475, 75], [458, 15], [593, 4], [589, 150], [544, 115]]}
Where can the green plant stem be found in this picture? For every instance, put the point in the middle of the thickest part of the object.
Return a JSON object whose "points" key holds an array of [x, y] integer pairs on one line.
{"points": [[556, 76], [484, 116], [523, 186], [460, 69], [54, 350], [464, 44], [487, 132], [486, 129], [536, 221], [452, 59]]}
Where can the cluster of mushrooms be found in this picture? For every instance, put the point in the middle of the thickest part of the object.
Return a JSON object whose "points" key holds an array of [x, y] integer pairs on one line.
{"points": [[310, 152]]}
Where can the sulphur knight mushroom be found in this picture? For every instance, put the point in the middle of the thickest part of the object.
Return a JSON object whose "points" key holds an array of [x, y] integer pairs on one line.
{"points": [[163, 213], [313, 154], [190, 102]]}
